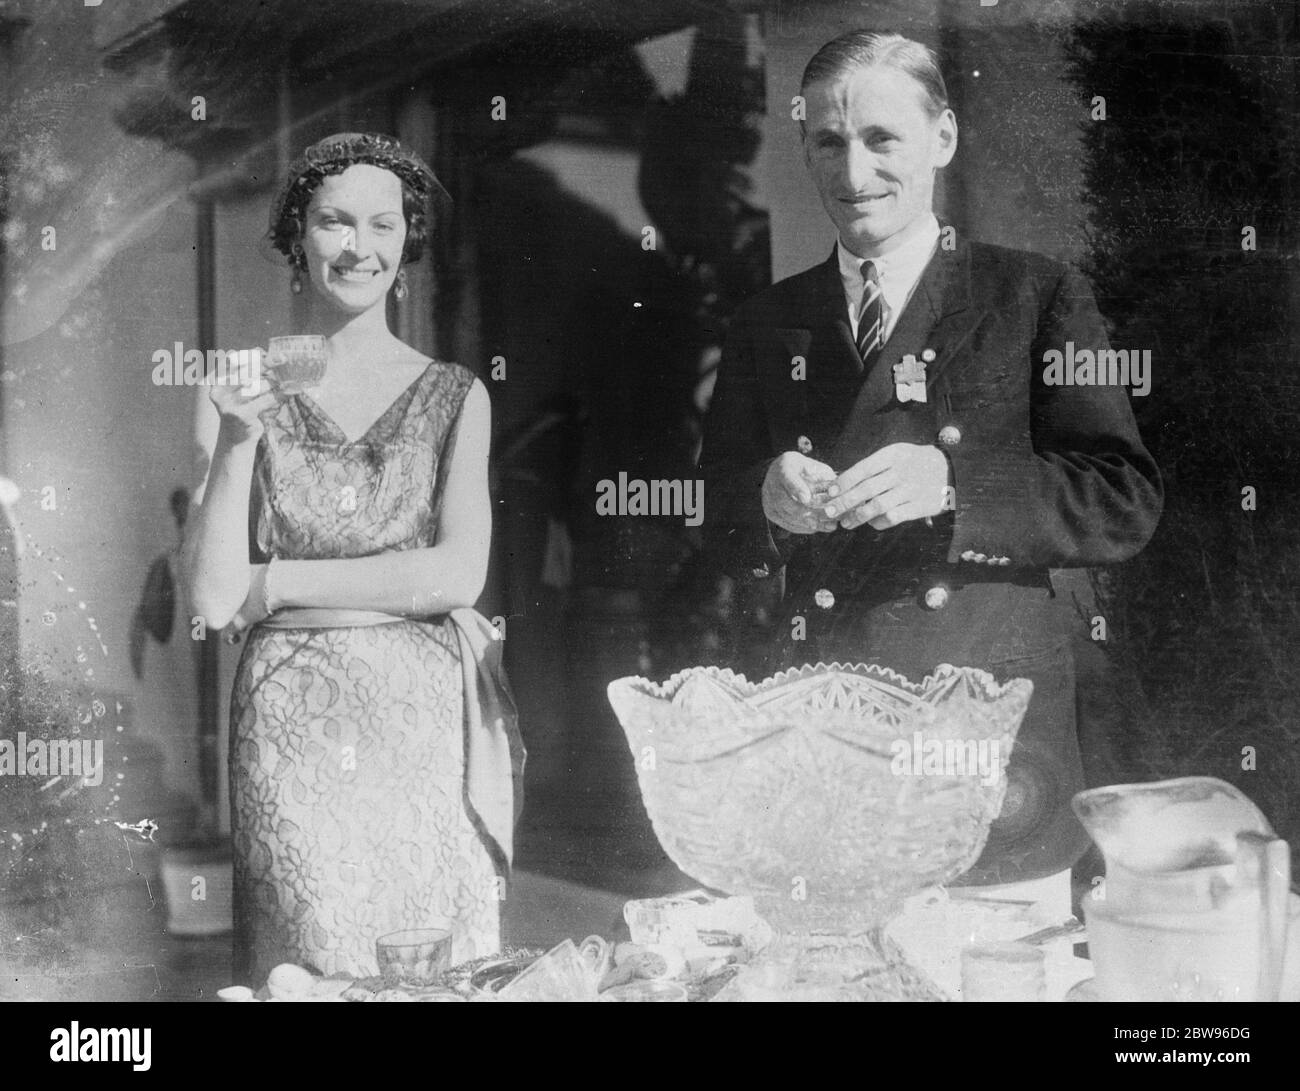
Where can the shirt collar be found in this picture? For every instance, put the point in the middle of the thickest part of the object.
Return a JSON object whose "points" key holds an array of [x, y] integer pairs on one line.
{"points": [[897, 271]]}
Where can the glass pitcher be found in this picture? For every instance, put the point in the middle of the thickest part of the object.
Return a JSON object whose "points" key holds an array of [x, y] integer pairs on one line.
{"points": [[1196, 899]]}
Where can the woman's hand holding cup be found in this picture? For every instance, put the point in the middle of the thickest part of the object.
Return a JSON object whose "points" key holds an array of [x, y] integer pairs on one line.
{"points": [[241, 404]]}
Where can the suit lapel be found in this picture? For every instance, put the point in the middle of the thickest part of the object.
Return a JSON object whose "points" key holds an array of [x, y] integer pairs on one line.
{"points": [[834, 320], [941, 314], [816, 330], [839, 355], [844, 412], [939, 317]]}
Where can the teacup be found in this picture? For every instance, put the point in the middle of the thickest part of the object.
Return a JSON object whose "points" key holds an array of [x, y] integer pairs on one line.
{"points": [[294, 364]]}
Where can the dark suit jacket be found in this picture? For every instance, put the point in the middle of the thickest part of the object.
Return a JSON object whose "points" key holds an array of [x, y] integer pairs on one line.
{"points": [[1051, 478]]}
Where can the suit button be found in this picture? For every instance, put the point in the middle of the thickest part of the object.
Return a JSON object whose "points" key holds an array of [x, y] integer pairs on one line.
{"points": [[949, 435], [824, 599], [936, 598], [804, 444]]}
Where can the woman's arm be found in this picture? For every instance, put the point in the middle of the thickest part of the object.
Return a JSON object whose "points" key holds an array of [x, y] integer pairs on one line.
{"points": [[415, 582], [214, 559]]}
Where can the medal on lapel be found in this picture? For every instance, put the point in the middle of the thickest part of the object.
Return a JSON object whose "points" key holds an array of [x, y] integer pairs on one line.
{"points": [[909, 379]]}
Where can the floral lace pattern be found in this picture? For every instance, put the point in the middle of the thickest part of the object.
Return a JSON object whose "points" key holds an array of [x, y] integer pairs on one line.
{"points": [[347, 745]]}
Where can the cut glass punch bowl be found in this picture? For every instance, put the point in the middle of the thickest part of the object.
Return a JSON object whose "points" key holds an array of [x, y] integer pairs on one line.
{"points": [[829, 793]]}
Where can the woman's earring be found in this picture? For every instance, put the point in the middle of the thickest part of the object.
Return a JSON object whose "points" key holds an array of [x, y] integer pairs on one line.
{"points": [[400, 290], [295, 282]]}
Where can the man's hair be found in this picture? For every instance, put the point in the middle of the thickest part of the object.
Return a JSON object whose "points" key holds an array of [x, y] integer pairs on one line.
{"points": [[867, 48]]}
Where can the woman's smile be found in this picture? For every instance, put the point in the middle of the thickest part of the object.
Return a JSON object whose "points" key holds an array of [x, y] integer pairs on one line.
{"points": [[354, 276]]}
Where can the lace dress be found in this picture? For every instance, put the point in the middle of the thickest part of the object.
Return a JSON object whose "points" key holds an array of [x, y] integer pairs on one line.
{"points": [[347, 751]]}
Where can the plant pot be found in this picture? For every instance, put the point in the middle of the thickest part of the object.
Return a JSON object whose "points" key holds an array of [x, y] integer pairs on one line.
{"points": [[198, 883]]}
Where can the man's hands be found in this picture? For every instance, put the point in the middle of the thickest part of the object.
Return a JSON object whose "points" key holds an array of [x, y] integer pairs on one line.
{"points": [[795, 496], [898, 483]]}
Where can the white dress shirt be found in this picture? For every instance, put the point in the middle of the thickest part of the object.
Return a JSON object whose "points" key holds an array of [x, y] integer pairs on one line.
{"points": [[898, 273]]}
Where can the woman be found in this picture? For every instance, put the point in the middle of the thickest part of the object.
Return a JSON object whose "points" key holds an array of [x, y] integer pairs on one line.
{"points": [[372, 736]]}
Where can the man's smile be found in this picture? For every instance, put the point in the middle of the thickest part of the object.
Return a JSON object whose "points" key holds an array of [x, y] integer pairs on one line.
{"points": [[865, 200]]}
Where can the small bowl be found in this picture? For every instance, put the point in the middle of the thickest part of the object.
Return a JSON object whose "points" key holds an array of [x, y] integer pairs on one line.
{"points": [[417, 957]]}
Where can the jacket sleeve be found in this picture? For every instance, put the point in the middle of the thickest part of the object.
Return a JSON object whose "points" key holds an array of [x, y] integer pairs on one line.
{"points": [[1088, 492], [736, 453]]}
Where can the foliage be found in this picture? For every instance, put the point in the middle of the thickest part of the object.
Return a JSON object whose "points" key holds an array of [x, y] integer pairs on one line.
{"points": [[1202, 140]]}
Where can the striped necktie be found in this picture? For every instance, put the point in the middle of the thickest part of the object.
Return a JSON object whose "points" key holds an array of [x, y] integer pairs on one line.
{"points": [[871, 319]]}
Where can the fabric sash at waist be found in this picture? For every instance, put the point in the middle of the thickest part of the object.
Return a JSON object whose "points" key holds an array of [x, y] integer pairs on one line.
{"points": [[326, 617]]}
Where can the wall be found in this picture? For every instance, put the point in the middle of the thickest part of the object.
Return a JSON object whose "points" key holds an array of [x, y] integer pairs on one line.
{"points": [[94, 445]]}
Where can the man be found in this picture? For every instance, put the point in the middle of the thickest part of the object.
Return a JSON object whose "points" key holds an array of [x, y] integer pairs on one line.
{"points": [[881, 429]]}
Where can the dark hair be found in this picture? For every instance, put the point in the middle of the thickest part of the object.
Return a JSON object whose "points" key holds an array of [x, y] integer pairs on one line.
{"points": [[866, 48], [423, 198]]}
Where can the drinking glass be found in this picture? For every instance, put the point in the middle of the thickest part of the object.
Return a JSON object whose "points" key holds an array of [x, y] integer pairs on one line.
{"points": [[417, 957], [1210, 955], [1003, 972]]}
